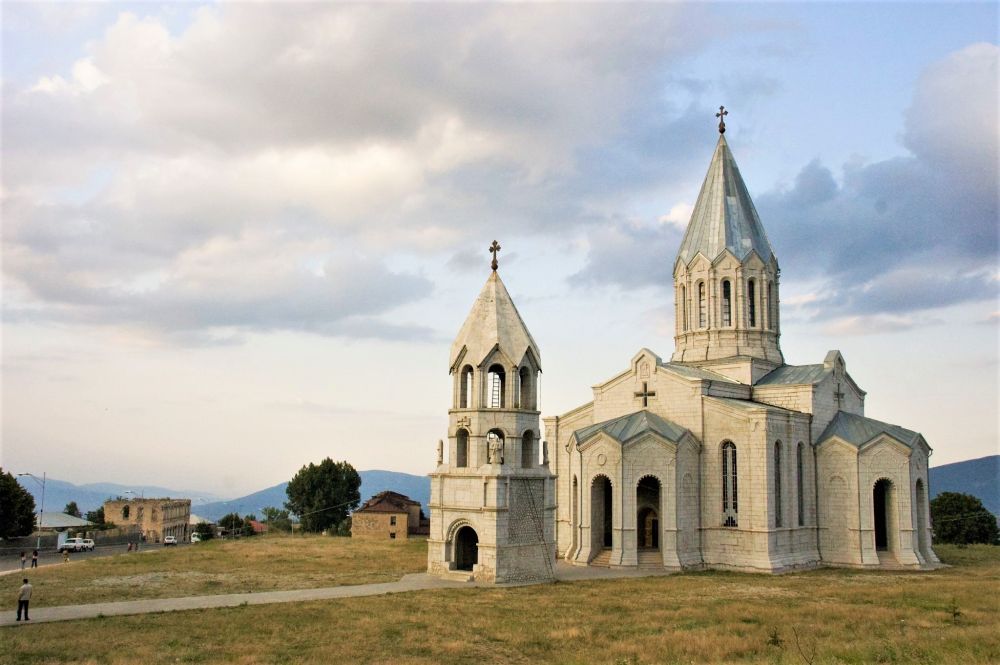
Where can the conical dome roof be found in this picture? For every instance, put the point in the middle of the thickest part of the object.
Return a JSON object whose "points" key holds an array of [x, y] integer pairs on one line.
{"points": [[724, 216], [494, 321]]}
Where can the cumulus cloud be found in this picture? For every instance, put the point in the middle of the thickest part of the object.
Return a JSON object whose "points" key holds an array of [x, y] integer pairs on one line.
{"points": [[885, 239], [146, 185]]}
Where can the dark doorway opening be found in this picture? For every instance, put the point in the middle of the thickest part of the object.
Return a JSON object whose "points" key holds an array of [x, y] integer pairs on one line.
{"points": [[880, 501], [466, 548]]}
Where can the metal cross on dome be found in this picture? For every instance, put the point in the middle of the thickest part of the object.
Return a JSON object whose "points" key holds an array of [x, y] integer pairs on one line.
{"points": [[721, 115], [494, 248]]}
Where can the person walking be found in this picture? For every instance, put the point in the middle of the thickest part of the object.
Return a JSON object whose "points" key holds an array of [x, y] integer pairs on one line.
{"points": [[23, 559], [23, 596], [34, 558]]}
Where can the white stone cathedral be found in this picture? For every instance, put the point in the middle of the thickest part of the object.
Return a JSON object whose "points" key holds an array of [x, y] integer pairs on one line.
{"points": [[722, 457]]}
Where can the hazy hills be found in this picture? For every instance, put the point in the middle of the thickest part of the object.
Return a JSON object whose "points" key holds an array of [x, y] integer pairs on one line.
{"points": [[979, 477]]}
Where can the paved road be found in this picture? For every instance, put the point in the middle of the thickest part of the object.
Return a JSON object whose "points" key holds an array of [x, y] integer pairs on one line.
{"points": [[10, 562], [412, 582]]}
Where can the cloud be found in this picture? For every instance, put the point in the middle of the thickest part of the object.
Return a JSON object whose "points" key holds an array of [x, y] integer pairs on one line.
{"points": [[144, 186], [885, 239]]}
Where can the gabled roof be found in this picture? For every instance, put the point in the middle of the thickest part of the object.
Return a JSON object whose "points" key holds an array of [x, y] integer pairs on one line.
{"points": [[626, 428], [61, 521], [692, 372], [859, 430], [724, 216], [794, 375], [387, 502], [493, 322]]}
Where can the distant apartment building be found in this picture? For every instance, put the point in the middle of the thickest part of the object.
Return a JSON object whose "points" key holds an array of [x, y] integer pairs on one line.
{"points": [[389, 515], [155, 518]]}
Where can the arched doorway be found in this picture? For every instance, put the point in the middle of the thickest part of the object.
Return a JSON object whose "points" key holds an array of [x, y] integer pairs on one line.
{"points": [[647, 501], [600, 512], [466, 548], [883, 522]]}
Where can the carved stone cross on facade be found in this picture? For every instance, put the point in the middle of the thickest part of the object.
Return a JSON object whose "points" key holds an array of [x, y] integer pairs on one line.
{"points": [[839, 395], [494, 248], [464, 421], [721, 115], [646, 393]]}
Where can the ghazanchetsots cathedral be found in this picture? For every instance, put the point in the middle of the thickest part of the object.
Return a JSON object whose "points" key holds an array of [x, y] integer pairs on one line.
{"points": [[722, 456]]}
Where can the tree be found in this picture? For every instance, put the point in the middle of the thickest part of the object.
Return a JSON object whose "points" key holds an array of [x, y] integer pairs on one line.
{"points": [[72, 509], [962, 518], [322, 495], [248, 525], [232, 523], [277, 520], [96, 516], [17, 508], [205, 530]]}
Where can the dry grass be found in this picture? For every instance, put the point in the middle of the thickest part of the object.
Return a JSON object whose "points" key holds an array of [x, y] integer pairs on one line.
{"points": [[840, 616], [214, 567]]}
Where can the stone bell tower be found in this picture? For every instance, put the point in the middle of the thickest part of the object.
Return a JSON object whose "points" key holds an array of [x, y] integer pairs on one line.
{"points": [[492, 498], [726, 279]]}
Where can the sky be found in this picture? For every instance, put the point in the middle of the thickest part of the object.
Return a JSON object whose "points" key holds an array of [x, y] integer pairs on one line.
{"points": [[240, 237]]}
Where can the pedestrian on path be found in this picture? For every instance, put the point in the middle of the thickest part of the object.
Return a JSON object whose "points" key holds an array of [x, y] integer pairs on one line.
{"points": [[65, 556], [34, 558], [23, 559], [23, 596]]}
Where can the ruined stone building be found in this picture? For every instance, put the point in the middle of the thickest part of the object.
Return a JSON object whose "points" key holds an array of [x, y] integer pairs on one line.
{"points": [[722, 456], [155, 518], [388, 516]]}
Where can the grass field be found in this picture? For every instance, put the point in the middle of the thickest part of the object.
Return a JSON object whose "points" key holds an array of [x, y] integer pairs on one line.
{"points": [[840, 616], [217, 566]]}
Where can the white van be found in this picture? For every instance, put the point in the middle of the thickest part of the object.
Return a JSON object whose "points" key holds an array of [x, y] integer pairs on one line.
{"points": [[195, 537]]}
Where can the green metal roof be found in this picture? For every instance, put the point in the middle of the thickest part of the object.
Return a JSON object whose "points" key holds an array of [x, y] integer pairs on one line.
{"points": [[859, 430], [724, 217], [626, 428], [690, 372], [792, 375]]}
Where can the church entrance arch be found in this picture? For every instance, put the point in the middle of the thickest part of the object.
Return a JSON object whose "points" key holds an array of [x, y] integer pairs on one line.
{"points": [[921, 493], [466, 548], [882, 498], [647, 502], [600, 512]]}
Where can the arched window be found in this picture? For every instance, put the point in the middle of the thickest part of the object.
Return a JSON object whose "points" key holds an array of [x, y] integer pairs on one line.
{"points": [[462, 448], [465, 389], [730, 506], [496, 382], [727, 303], [800, 484], [138, 514], [125, 512], [702, 306], [751, 303], [529, 457], [777, 484], [526, 398], [684, 308]]}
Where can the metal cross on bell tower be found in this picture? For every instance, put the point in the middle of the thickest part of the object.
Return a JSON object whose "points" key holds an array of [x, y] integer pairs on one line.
{"points": [[721, 115], [494, 248]]}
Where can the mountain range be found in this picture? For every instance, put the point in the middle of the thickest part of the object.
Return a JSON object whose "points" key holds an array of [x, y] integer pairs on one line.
{"points": [[979, 477]]}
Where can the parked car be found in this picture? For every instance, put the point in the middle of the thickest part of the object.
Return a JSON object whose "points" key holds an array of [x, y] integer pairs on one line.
{"points": [[170, 540], [76, 545]]}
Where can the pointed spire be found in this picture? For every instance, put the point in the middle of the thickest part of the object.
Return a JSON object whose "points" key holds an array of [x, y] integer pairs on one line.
{"points": [[493, 322], [724, 216]]}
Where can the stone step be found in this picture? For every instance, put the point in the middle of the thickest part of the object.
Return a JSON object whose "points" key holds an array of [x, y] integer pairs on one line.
{"points": [[650, 559], [458, 576], [603, 559]]}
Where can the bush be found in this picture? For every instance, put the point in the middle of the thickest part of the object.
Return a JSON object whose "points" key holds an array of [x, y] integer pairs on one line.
{"points": [[962, 519]]}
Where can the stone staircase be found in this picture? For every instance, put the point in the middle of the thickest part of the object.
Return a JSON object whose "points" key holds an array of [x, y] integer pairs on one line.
{"points": [[650, 559], [603, 559]]}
